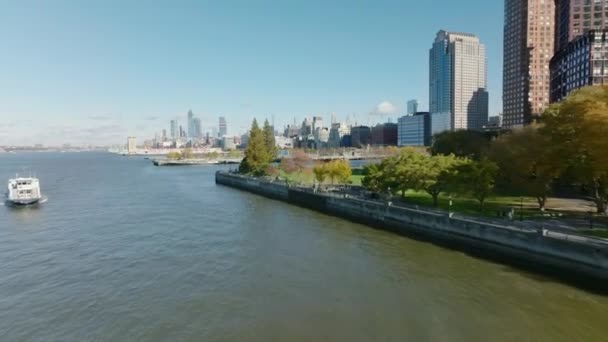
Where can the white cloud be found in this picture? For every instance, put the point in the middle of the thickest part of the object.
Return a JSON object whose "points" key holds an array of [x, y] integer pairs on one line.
{"points": [[385, 108]]}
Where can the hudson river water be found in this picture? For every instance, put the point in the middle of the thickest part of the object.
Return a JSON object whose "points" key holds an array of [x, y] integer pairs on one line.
{"points": [[125, 251]]}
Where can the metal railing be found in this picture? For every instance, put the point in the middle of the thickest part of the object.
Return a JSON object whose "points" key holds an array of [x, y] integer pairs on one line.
{"points": [[347, 193]]}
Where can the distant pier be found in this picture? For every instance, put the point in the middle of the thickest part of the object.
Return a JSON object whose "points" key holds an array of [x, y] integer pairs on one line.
{"points": [[191, 162]]}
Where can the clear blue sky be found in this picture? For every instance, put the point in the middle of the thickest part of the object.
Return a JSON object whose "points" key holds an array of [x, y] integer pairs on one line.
{"points": [[72, 71]]}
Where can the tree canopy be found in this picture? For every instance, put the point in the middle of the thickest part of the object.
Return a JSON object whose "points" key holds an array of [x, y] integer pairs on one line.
{"points": [[527, 162], [578, 131], [462, 143], [257, 157], [269, 141], [475, 178]]}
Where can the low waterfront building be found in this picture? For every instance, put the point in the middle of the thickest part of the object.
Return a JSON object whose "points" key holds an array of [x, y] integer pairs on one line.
{"points": [[583, 62], [415, 130]]}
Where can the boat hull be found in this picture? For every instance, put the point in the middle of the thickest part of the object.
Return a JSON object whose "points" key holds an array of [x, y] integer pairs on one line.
{"points": [[24, 202]]}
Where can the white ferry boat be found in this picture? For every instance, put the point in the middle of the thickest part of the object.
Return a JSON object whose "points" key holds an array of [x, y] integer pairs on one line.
{"points": [[24, 191]]}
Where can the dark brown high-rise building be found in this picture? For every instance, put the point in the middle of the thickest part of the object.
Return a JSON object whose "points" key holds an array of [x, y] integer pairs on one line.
{"points": [[581, 46], [576, 17], [528, 47], [384, 134]]}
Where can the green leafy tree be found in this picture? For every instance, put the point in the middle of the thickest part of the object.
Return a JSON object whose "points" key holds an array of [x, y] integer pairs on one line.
{"points": [[528, 162], [436, 173], [338, 171], [257, 157], [578, 130], [288, 167], [462, 143], [475, 178], [234, 154], [186, 153], [396, 174], [269, 141], [407, 170], [373, 179], [301, 160], [174, 155], [321, 172]]}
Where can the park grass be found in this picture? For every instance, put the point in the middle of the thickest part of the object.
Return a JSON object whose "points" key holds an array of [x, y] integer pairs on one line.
{"points": [[470, 206], [462, 205], [304, 178], [356, 179], [308, 178], [493, 206], [601, 233]]}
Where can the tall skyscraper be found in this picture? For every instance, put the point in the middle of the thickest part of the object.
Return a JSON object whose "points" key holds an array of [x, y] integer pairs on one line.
{"points": [[581, 46], [576, 17], [197, 130], [174, 131], [412, 107], [457, 79], [190, 124], [528, 47], [223, 127]]}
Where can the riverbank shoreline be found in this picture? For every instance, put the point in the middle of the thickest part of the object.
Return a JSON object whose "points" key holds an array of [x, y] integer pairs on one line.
{"points": [[571, 258]]}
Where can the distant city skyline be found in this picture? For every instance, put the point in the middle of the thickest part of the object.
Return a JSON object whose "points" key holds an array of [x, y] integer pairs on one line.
{"points": [[98, 73]]}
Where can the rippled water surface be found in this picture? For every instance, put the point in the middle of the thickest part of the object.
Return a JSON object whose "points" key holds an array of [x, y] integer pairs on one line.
{"points": [[125, 251]]}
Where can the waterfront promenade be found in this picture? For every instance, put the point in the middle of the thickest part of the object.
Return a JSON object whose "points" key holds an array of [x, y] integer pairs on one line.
{"points": [[540, 245]]}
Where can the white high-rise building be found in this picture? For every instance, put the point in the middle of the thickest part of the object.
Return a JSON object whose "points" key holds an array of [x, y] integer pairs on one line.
{"points": [[457, 79]]}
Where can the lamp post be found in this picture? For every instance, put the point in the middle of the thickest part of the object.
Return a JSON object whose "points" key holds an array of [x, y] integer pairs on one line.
{"points": [[450, 209], [521, 210]]}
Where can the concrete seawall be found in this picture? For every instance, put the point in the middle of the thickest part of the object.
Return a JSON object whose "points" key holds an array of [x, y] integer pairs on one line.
{"points": [[539, 248]]}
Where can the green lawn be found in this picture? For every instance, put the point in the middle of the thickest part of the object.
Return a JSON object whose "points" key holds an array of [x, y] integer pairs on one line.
{"points": [[471, 206], [459, 204], [298, 178], [356, 179], [309, 178], [602, 233]]}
